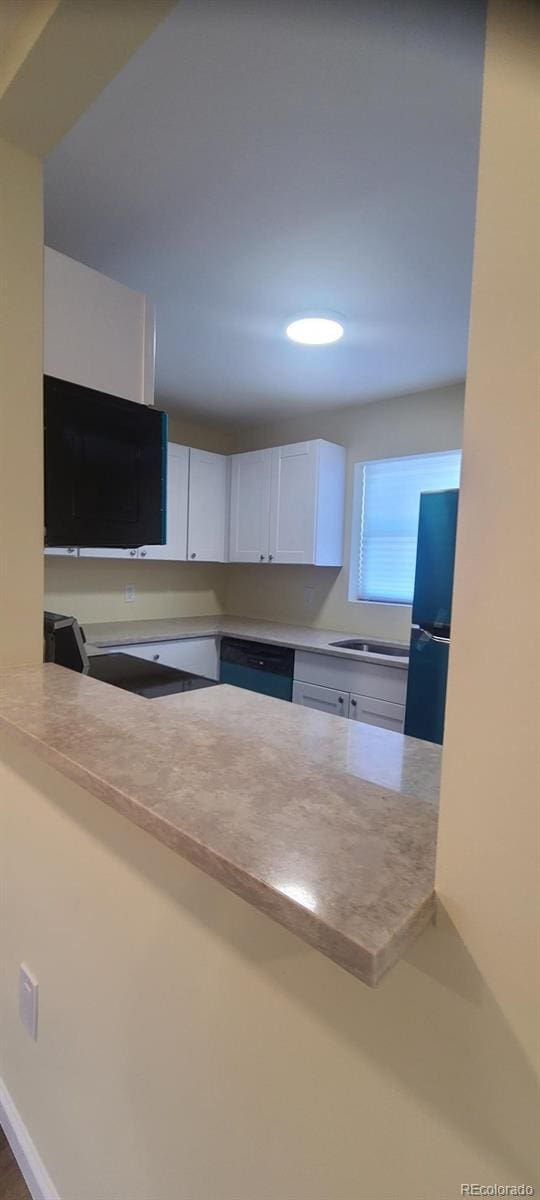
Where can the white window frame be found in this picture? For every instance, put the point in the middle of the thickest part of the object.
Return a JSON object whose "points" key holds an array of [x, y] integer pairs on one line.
{"points": [[356, 526]]}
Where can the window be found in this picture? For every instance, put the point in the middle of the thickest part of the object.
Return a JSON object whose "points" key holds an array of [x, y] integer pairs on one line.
{"points": [[385, 522]]}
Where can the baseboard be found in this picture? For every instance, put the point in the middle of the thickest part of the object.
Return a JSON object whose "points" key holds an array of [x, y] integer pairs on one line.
{"points": [[30, 1164]]}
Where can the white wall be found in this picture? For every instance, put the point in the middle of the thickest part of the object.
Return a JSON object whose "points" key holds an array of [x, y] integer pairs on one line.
{"points": [[97, 332], [385, 429]]}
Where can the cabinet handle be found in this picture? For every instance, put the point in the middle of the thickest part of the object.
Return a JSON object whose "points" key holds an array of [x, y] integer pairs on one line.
{"points": [[270, 558], [354, 703], [133, 553], [143, 553], [193, 555], [156, 657], [340, 699], [71, 549], [261, 557]]}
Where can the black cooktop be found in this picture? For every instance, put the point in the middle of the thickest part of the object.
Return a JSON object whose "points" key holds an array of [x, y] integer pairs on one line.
{"points": [[145, 678]]}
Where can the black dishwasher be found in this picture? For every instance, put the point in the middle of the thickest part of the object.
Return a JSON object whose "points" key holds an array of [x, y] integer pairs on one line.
{"points": [[257, 666]]}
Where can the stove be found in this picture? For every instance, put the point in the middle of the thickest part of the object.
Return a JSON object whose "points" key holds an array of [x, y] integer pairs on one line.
{"points": [[65, 644], [145, 678]]}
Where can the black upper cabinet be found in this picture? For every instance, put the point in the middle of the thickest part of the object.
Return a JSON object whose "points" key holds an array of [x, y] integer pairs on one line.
{"points": [[105, 469]]}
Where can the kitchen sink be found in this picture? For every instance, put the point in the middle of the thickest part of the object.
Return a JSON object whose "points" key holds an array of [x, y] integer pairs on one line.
{"points": [[386, 648]]}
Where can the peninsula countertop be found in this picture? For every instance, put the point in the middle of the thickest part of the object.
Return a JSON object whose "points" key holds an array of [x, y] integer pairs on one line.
{"points": [[296, 637], [327, 826]]}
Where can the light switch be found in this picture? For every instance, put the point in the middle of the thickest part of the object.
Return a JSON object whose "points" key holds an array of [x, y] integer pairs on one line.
{"points": [[28, 1000]]}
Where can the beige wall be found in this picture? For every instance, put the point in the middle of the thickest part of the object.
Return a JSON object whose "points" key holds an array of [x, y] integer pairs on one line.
{"points": [[388, 428], [62, 52], [58, 56], [219, 438], [488, 848], [189, 1048], [21, 423], [92, 589]]}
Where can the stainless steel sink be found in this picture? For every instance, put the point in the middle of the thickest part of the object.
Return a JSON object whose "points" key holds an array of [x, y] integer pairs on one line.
{"points": [[386, 648]]}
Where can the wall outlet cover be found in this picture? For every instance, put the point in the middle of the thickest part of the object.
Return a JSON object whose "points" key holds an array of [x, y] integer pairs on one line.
{"points": [[129, 593], [309, 596]]}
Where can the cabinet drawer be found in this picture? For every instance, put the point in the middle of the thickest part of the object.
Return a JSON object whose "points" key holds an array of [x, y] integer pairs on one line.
{"points": [[364, 678], [377, 712], [328, 700]]}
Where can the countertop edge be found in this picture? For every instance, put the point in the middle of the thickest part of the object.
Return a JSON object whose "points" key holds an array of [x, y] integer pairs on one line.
{"points": [[367, 965], [219, 629]]}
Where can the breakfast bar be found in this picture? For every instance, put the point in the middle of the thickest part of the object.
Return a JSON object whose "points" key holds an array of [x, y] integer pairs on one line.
{"points": [[327, 826]]}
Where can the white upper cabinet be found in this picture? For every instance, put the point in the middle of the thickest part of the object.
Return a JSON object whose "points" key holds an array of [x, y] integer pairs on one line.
{"points": [[287, 504], [307, 499], [208, 506], [97, 332], [175, 547], [249, 537], [197, 510]]}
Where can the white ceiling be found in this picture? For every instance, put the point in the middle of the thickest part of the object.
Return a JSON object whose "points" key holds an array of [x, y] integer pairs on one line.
{"points": [[255, 160]]}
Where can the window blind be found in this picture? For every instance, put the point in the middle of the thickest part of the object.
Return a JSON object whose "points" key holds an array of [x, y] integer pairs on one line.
{"points": [[389, 524]]}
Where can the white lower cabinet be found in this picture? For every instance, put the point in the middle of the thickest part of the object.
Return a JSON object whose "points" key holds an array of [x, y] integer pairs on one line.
{"points": [[199, 655], [377, 712], [324, 699], [354, 688]]}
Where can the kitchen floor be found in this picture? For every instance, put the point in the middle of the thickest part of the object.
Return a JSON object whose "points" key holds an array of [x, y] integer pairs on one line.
{"points": [[12, 1185]]}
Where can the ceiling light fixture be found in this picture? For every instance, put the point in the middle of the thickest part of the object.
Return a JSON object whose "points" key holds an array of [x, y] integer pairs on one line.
{"points": [[315, 331]]}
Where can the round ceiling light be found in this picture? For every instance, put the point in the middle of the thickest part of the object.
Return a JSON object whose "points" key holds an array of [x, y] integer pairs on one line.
{"points": [[315, 331]]}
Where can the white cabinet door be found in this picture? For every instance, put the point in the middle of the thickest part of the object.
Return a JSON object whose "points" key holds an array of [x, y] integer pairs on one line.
{"points": [[293, 503], [324, 699], [72, 551], [175, 547], [208, 506], [355, 675], [377, 712], [189, 654], [250, 506]]}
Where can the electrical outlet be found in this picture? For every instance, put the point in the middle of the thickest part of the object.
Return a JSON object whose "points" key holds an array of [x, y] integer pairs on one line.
{"points": [[129, 593], [28, 1000], [309, 596]]}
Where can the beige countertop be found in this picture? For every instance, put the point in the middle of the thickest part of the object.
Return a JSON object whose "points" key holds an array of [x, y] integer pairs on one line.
{"points": [[327, 826], [296, 637]]}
